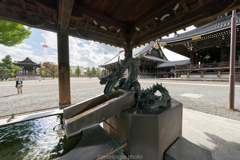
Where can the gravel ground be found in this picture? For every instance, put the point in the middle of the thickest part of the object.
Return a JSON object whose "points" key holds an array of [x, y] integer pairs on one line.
{"points": [[44, 94]]}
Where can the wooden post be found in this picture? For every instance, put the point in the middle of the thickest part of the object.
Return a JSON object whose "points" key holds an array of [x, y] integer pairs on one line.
{"points": [[222, 59], [197, 59], [218, 74], [128, 52], [63, 17], [63, 68], [232, 62], [201, 74], [187, 74], [192, 59]]}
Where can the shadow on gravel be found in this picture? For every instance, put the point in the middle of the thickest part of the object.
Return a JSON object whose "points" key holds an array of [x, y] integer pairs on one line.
{"points": [[9, 95]]}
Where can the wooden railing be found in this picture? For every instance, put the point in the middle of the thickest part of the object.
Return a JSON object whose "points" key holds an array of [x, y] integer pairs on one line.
{"points": [[28, 74], [208, 65]]}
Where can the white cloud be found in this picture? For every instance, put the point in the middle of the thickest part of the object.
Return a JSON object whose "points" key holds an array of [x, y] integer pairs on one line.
{"points": [[51, 39], [19, 53], [23, 45], [81, 52]]}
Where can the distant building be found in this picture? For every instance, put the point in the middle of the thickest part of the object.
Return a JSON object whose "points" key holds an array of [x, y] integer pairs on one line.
{"points": [[29, 69], [152, 62], [208, 47]]}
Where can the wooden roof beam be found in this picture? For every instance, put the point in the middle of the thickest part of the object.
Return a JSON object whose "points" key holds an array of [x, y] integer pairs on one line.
{"points": [[200, 2], [64, 13], [185, 8], [81, 11], [157, 12], [23, 4]]}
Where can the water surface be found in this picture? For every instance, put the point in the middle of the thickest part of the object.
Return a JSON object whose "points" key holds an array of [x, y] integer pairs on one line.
{"points": [[42, 138]]}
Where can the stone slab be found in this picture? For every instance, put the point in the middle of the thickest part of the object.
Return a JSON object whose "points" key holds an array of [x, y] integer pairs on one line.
{"points": [[191, 95], [183, 149], [92, 146], [149, 133]]}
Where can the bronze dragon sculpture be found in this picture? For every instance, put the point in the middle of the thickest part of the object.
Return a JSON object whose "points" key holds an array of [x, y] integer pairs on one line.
{"points": [[146, 99], [124, 83]]}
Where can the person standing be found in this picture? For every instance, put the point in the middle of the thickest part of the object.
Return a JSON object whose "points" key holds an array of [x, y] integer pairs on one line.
{"points": [[19, 85]]}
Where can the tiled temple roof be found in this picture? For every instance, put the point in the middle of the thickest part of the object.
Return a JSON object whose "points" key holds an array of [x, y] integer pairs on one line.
{"points": [[26, 61], [214, 26]]}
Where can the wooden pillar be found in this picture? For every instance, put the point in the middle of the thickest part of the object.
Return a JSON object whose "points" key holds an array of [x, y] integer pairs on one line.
{"points": [[218, 74], [197, 59], [232, 62], [222, 58], [63, 68], [201, 74], [192, 59], [128, 52]]}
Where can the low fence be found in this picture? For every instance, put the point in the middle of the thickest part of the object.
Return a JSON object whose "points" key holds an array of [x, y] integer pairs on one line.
{"points": [[208, 65]]}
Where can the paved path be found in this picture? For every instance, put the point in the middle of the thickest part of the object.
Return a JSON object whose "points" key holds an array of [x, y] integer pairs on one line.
{"points": [[208, 97], [219, 135]]}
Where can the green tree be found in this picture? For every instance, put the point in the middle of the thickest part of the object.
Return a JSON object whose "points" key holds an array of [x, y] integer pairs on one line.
{"points": [[97, 72], [5, 73], [7, 62], [40, 69], [16, 69], [93, 71], [70, 69], [88, 71], [6, 67], [78, 71], [13, 33], [50, 68]]}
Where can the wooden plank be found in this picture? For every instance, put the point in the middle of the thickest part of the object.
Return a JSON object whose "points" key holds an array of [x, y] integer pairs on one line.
{"points": [[99, 18], [39, 10], [200, 2], [64, 13], [23, 4]]}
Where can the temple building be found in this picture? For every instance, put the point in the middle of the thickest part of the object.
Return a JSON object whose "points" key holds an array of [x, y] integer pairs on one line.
{"points": [[29, 69], [208, 47], [152, 62]]}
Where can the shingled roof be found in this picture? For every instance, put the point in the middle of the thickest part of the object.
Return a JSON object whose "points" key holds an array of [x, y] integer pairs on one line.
{"points": [[26, 61], [152, 52], [214, 26]]}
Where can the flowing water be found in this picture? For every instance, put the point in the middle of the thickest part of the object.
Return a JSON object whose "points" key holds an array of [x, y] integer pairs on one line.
{"points": [[42, 139]]}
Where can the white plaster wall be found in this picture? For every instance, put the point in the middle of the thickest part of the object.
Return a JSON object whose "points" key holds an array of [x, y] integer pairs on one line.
{"points": [[195, 76]]}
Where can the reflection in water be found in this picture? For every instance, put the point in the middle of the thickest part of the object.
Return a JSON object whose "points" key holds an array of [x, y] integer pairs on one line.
{"points": [[42, 138]]}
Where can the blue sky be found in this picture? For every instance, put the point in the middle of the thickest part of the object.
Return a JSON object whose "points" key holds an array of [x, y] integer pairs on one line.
{"points": [[82, 52]]}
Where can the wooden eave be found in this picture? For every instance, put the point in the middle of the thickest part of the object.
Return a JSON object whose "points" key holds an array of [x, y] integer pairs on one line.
{"points": [[120, 23]]}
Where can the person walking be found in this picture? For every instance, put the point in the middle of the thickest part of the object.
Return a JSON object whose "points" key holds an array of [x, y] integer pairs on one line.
{"points": [[19, 85]]}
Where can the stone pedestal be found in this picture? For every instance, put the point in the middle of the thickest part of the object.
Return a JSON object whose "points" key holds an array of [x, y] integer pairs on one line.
{"points": [[149, 134]]}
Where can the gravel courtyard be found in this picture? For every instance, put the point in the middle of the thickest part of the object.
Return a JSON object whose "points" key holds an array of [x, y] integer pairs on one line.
{"points": [[208, 97]]}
